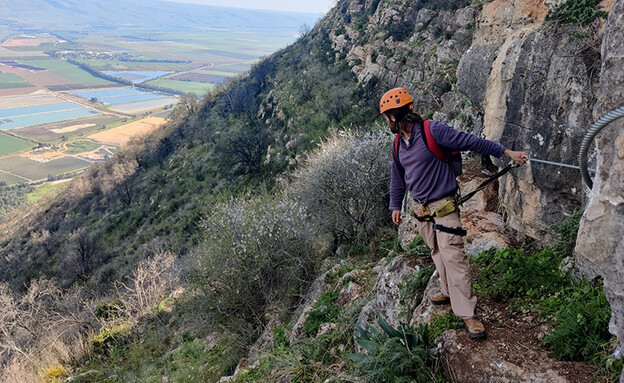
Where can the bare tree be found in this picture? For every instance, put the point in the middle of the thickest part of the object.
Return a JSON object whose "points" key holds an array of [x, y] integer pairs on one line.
{"points": [[83, 247], [152, 281]]}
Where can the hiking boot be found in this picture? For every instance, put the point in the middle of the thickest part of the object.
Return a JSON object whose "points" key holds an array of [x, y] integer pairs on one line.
{"points": [[475, 328], [439, 299]]}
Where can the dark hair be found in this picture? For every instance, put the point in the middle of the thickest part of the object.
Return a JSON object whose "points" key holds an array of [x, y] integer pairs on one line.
{"points": [[404, 113]]}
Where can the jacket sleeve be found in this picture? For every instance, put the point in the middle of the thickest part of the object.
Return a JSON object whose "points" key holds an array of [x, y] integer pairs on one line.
{"points": [[397, 183], [453, 139]]}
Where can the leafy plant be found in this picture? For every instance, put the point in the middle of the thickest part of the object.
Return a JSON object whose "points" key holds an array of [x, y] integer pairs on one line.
{"points": [[324, 311], [581, 324], [344, 186], [411, 290], [394, 354], [577, 12], [509, 273], [55, 374], [109, 338], [418, 247], [256, 253], [444, 322]]}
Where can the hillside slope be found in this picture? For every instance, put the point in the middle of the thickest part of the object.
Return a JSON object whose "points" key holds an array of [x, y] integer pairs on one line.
{"points": [[498, 69]]}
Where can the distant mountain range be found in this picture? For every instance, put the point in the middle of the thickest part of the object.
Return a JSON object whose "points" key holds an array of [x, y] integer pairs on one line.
{"points": [[71, 15]]}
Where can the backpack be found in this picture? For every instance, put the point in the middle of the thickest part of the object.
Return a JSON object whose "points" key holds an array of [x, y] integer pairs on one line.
{"points": [[452, 158]]}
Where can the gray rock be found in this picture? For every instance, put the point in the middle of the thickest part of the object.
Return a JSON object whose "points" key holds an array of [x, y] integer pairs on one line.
{"points": [[426, 311], [349, 294], [314, 293], [600, 243], [387, 295], [474, 70]]}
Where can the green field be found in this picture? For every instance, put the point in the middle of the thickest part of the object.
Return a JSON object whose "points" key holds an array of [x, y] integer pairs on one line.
{"points": [[10, 179], [45, 189], [113, 65], [36, 171], [198, 88], [10, 144], [81, 146], [217, 72], [11, 80], [66, 70]]}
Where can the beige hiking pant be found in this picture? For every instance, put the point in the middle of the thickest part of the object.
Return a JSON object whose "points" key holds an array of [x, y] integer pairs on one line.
{"points": [[447, 251]]}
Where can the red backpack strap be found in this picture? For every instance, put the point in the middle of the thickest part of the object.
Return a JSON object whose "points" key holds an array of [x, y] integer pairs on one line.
{"points": [[433, 146], [396, 147]]}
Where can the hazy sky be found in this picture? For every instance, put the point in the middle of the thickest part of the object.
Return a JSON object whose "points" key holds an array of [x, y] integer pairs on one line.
{"points": [[305, 6]]}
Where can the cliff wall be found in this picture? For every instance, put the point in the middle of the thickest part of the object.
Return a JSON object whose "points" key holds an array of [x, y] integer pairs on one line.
{"points": [[503, 71], [600, 244]]}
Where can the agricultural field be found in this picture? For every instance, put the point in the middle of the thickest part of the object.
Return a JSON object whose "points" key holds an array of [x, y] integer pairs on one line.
{"points": [[136, 108], [10, 144], [11, 179], [46, 189], [32, 40], [11, 80], [199, 88], [34, 171], [61, 107], [118, 96], [121, 135], [136, 76], [38, 110]]}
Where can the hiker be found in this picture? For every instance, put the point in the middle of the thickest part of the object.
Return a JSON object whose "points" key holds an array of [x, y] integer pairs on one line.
{"points": [[432, 183]]}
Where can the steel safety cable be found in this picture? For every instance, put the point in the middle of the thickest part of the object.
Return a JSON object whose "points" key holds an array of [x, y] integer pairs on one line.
{"points": [[589, 137]]}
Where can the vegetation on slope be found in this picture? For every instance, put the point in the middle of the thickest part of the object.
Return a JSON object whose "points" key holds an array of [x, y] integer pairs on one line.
{"points": [[201, 191]]}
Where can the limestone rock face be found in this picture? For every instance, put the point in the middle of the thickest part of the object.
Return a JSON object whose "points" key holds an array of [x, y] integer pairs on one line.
{"points": [[600, 243], [535, 89]]}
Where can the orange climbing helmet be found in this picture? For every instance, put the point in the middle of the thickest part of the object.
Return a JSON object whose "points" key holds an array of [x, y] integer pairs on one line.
{"points": [[395, 98]]}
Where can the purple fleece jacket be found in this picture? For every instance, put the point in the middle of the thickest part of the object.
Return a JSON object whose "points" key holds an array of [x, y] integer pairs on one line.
{"points": [[429, 178]]}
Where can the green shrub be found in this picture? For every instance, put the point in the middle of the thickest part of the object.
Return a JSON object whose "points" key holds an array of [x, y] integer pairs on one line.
{"points": [[323, 311], [509, 273], [109, 310], [394, 354], [577, 12], [331, 278], [344, 185], [567, 231], [257, 254], [424, 275], [55, 374], [110, 338], [581, 325], [578, 311], [441, 323], [411, 290]]}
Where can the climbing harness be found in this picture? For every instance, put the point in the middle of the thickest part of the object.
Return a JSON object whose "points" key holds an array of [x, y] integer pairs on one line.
{"points": [[450, 206], [589, 137]]}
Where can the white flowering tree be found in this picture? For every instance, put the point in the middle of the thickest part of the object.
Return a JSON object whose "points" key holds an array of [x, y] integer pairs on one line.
{"points": [[344, 184], [257, 253]]}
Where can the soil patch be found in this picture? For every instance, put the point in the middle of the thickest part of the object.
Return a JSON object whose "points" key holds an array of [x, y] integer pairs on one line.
{"points": [[121, 135]]}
